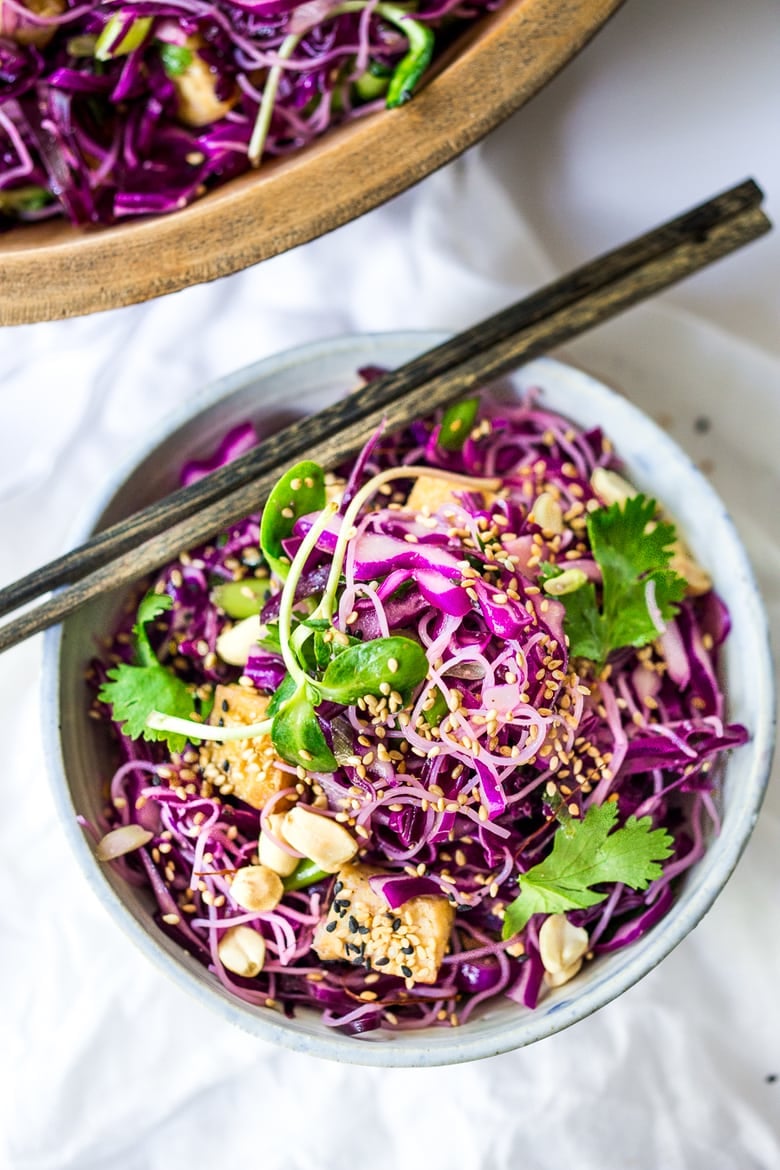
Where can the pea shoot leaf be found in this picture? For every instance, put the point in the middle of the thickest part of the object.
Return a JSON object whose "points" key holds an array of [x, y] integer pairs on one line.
{"points": [[584, 854], [134, 691], [364, 667], [297, 736], [633, 553], [300, 490]]}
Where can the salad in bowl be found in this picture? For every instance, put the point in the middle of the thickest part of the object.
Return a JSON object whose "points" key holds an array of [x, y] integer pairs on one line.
{"points": [[434, 753]]}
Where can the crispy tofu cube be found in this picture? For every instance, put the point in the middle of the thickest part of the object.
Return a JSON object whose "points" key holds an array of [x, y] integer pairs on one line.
{"points": [[245, 768], [429, 494], [359, 928]]}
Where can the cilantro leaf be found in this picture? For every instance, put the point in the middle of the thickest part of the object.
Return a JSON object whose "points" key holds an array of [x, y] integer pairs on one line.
{"points": [[633, 552], [584, 854], [150, 607], [133, 692]]}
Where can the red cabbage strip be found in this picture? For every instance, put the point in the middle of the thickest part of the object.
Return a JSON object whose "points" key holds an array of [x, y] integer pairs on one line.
{"points": [[175, 145]]}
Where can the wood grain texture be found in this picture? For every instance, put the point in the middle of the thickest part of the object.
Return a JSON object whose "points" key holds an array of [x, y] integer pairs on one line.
{"points": [[51, 270]]}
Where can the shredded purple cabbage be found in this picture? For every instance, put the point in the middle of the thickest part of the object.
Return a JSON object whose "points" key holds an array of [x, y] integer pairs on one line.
{"points": [[118, 108], [435, 817]]}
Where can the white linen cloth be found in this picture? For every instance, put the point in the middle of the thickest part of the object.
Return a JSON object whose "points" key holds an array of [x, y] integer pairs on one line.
{"points": [[107, 1064]]}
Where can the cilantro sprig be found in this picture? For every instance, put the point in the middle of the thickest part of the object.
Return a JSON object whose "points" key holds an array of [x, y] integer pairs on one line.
{"points": [[633, 552], [587, 853], [134, 691]]}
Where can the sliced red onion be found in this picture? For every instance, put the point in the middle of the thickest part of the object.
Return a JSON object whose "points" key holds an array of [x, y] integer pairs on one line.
{"points": [[526, 990], [674, 653]]}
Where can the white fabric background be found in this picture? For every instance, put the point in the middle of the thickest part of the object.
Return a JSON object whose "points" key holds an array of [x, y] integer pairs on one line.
{"points": [[104, 1064]]}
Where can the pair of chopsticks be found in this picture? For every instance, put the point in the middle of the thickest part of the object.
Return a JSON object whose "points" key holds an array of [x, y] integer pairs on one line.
{"points": [[556, 313]]}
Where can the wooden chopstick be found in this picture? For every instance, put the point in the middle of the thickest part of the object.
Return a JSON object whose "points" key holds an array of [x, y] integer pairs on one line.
{"points": [[284, 447], [548, 318]]}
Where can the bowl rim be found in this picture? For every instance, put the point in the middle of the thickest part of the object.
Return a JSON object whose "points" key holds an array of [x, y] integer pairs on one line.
{"points": [[52, 270], [691, 906]]}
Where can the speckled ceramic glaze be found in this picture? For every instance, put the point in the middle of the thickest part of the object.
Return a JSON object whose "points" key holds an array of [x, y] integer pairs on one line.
{"points": [[270, 393]]}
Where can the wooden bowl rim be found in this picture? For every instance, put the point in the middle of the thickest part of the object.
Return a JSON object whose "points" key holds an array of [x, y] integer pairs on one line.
{"points": [[52, 270]]}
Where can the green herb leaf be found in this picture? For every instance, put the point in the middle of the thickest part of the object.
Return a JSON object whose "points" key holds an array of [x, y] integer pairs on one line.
{"points": [[584, 854], [301, 490], [363, 668], [286, 689], [149, 608], [133, 692], [630, 558], [176, 59], [298, 737], [456, 424], [325, 650]]}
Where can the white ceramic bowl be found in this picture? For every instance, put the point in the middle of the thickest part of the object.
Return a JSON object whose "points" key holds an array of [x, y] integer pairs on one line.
{"points": [[310, 377]]}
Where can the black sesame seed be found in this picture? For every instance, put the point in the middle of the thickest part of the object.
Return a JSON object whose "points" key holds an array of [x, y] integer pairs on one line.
{"points": [[339, 886], [381, 962], [226, 765], [363, 930], [225, 706], [352, 923], [406, 971], [331, 926], [407, 950], [396, 924]]}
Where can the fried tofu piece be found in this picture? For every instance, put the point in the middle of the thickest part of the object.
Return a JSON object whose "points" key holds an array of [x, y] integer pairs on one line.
{"points": [[359, 928], [245, 768], [429, 494]]}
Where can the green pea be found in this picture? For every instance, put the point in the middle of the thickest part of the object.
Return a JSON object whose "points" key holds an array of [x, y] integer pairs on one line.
{"points": [[457, 423], [176, 59], [306, 873], [242, 599]]}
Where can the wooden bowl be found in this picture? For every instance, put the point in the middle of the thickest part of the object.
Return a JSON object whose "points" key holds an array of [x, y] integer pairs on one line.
{"points": [[52, 270]]}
